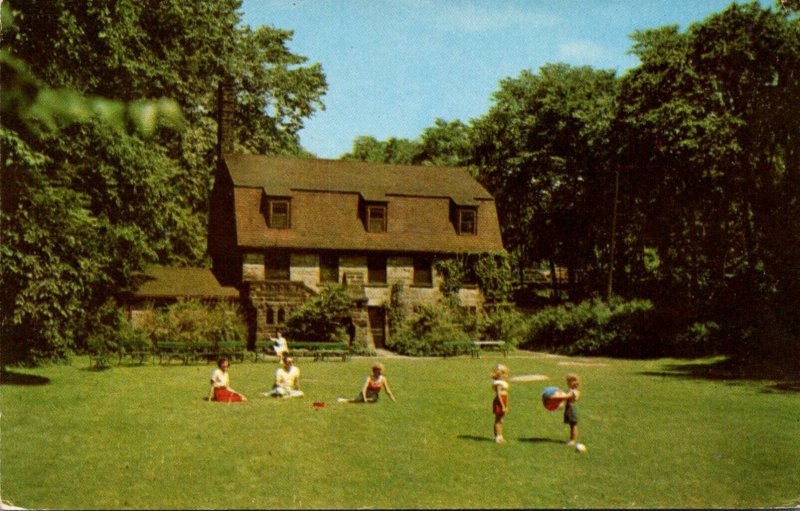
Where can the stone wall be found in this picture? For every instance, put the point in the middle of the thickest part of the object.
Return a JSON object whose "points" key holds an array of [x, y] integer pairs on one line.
{"points": [[270, 303]]}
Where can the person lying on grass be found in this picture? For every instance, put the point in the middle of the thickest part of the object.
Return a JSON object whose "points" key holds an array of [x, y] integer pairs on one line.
{"points": [[372, 387], [220, 384]]}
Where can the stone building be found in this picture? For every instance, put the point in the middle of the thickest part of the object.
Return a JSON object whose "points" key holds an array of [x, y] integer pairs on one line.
{"points": [[281, 228]]}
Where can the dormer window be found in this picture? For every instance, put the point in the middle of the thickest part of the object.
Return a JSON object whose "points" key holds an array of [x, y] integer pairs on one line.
{"points": [[278, 214], [466, 221], [376, 218]]}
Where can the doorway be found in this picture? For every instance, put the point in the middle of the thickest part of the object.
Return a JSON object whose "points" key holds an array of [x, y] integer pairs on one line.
{"points": [[377, 326]]}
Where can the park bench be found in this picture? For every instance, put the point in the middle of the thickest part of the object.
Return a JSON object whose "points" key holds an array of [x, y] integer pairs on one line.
{"points": [[473, 348], [100, 359], [136, 355], [489, 344], [170, 350], [202, 350], [264, 349], [319, 350], [231, 349], [455, 348]]}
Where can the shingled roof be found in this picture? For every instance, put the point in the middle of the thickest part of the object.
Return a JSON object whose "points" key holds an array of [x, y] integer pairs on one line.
{"points": [[326, 196], [375, 182], [161, 282]]}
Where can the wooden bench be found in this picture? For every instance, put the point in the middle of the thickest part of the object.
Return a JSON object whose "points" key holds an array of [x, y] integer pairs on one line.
{"points": [[231, 349], [202, 350], [262, 348], [319, 350], [170, 350], [455, 348], [137, 356], [489, 345], [100, 359]]}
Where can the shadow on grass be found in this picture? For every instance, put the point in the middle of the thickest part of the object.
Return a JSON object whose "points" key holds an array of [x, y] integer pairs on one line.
{"points": [[539, 440], [97, 369], [476, 438], [9, 378], [777, 376]]}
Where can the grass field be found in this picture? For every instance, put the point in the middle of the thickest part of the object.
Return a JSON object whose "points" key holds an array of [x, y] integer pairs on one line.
{"points": [[658, 435]]}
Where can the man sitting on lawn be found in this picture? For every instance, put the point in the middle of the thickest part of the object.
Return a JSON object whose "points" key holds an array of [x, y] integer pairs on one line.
{"points": [[287, 381]]}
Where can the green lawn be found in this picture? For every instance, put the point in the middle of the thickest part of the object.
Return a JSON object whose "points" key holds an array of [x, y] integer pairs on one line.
{"points": [[143, 437]]}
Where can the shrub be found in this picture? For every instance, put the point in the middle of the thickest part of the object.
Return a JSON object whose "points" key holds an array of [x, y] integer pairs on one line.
{"points": [[426, 331], [699, 338], [493, 272], [503, 323], [192, 321], [323, 318], [593, 327], [398, 307]]}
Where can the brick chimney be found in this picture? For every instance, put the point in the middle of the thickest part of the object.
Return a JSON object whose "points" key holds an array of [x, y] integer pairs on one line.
{"points": [[225, 109]]}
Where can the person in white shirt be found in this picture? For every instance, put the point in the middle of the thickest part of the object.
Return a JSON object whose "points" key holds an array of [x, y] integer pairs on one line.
{"points": [[281, 346], [221, 384], [500, 402], [287, 381]]}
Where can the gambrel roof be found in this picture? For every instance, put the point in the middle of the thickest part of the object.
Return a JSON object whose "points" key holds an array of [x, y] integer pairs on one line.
{"points": [[157, 282], [327, 196]]}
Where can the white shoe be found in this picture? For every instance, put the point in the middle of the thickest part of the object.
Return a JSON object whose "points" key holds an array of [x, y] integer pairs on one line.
{"points": [[571, 443], [341, 400], [580, 447]]}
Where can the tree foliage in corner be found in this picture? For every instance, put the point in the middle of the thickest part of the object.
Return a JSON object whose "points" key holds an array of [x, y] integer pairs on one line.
{"points": [[96, 180]]}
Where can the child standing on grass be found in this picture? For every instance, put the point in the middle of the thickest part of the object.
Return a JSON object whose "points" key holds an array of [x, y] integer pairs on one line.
{"points": [[571, 410], [500, 402], [372, 387]]}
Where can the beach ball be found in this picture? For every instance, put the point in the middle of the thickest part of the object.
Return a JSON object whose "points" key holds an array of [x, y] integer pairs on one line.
{"points": [[547, 398]]}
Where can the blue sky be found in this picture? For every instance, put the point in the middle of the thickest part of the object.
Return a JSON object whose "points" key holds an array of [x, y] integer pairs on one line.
{"points": [[393, 66]]}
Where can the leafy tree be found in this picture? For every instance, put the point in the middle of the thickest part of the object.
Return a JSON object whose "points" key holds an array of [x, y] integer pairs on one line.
{"points": [[542, 150], [84, 206], [710, 122], [398, 151], [444, 144]]}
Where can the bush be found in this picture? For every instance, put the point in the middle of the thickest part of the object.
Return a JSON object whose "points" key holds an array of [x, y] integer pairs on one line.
{"points": [[699, 338], [323, 318], [192, 321], [592, 327], [425, 332], [503, 323]]}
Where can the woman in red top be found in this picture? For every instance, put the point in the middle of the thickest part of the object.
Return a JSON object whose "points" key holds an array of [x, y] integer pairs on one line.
{"points": [[372, 387]]}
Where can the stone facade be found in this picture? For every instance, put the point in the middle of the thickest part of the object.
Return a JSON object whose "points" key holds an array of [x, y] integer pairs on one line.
{"points": [[271, 302]]}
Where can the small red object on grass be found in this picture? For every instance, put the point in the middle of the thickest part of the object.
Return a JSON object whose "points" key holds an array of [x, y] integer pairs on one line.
{"points": [[318, 405]]}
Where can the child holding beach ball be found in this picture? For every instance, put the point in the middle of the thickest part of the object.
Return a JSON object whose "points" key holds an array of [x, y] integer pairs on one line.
{"points": [[553, 397]]}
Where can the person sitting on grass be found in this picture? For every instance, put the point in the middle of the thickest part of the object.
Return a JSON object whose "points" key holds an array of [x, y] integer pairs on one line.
{"points": [[287, 380], [220, 384], [372, 387]]}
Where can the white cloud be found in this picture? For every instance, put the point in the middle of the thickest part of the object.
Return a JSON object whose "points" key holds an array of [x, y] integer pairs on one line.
{"points": [[582, 52], [477, 17]]}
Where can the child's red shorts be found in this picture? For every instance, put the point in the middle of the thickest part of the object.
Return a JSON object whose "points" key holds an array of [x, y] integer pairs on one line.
{"points": [[497, 408]]}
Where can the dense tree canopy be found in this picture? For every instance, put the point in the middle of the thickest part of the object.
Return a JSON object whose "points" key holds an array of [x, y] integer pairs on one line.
{"points": [[543, 150], [85, 205], [444, 143], [708, 131], [703, 138]]}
